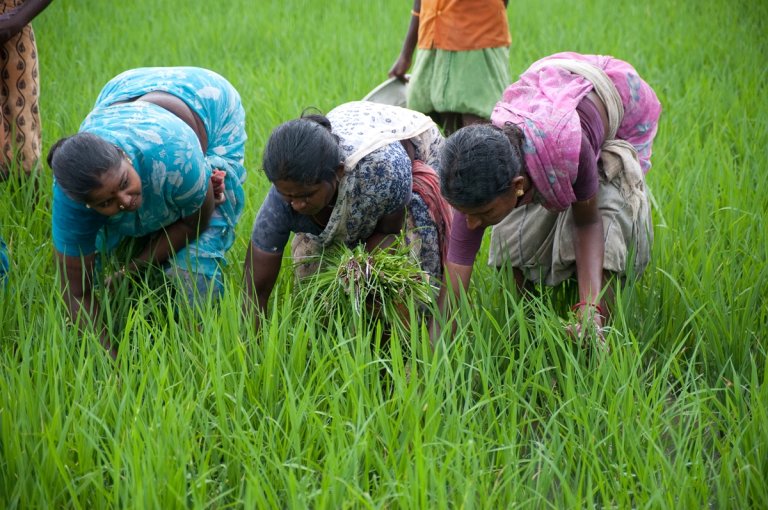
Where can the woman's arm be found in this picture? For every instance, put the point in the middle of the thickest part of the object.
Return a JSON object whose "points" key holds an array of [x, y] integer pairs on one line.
{"points": [[177, 235], [11, 22], [590, 252], [76, 278], [456, 279], [403, 62], [386, 230], [260, 272]]}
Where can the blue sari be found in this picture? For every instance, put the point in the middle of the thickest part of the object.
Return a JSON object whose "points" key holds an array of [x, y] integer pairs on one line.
{"points": [[167, 155]]}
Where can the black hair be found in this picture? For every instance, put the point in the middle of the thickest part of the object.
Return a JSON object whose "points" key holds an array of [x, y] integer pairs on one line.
{"points": [[79, 161], [303, 150], [479, 162]]}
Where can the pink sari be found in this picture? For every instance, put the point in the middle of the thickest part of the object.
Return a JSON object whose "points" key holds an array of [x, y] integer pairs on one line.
{"points": [[543, 104]]}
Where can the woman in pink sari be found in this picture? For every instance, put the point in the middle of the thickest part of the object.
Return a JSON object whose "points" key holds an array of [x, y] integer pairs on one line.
{"points": [[560, 175]]}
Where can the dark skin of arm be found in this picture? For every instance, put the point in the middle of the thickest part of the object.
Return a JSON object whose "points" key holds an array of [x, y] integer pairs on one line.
{"points": [[178, 234], [457, 278], [77, 284], [590, 252], [260, 273], [403, 62], [14, 20]]}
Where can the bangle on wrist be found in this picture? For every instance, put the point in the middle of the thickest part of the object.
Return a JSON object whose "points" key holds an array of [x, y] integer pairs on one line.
{"points": [[415, 13], [581, 304]]}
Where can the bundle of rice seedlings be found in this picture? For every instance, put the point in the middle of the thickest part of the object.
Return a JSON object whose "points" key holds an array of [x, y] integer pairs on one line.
{"points": [[353, 283]]}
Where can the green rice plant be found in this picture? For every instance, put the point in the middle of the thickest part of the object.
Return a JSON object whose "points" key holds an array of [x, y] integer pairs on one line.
{"points": [[353, 284]]}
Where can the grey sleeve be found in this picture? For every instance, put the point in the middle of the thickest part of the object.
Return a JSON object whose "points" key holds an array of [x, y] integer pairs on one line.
{"points": [[272, 226]]}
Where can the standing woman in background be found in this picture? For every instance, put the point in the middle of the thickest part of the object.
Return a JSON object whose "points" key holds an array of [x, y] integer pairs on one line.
{"points": [[462, 65], [156, 172], [561, 176]]}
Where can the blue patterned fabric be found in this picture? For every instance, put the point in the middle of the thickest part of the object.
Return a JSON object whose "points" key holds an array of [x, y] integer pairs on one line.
{"points": [[377, 180], [4, 264], [384, 183], [167, 155]]}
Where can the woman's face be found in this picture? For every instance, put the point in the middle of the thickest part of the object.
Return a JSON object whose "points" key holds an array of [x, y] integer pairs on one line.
{"points": [[492, 212], [307, 199], [120, 191]]}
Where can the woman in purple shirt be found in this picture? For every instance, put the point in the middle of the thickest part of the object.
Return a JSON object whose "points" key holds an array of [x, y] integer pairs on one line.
{"points": [[560, 176]]}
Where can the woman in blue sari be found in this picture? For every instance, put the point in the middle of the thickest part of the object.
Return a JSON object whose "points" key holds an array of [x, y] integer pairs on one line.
{"points": [[158, 160]]}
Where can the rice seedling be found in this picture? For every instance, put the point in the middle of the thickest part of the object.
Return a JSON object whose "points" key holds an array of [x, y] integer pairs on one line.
{"points": [[353, 284]]}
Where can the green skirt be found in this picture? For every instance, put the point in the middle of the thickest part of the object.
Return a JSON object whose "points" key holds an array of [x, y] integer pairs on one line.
{"points": [[458, 81]]}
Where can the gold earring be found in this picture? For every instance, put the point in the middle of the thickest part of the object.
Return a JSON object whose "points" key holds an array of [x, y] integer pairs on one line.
{"points": [[519, 192]]}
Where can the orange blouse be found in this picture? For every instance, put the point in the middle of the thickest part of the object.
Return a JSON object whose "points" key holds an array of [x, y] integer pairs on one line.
{"points": [[460, 25]]}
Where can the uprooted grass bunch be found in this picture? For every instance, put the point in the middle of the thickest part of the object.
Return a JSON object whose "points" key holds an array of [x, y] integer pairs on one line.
{"points": [[353, 284]]}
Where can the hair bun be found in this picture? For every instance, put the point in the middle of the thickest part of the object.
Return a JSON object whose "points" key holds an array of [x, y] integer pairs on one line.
{"points": [[53, 150], [516, 137]]}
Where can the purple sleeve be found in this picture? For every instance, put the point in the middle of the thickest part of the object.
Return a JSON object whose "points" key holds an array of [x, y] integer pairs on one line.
{"points": [[592, 136], [463, 243]]}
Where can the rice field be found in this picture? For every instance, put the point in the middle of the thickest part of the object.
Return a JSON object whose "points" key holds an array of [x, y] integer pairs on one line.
{"points": [[202, 411]]}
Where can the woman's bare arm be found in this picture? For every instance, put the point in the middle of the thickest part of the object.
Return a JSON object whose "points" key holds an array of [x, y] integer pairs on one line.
{"points": [[589, 248], [177, 235], [76, 279], [403, 62], [260, 272], [14, 20]]}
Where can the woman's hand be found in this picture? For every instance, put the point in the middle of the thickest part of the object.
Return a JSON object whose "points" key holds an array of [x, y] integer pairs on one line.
{"points": [[386, 230], [217, 183], [76, 279], [587, 326], [112, 282], [400, 67]]}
